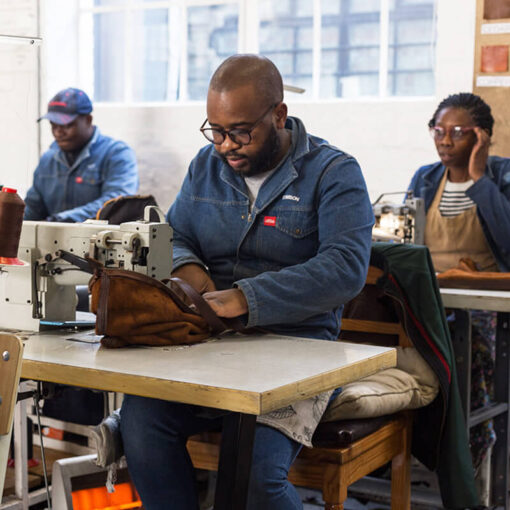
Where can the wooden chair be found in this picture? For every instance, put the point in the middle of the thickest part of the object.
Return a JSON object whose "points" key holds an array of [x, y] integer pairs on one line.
{"points": [[11, 351], [344, 451]]}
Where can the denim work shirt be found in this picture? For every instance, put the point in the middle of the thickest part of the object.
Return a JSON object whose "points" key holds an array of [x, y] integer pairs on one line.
{"points": [[301, 253], [491, 194], [104, 169]]}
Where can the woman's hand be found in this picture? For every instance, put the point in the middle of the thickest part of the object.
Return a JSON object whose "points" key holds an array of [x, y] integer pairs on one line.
{"points": [[479, 154], [227, 303]]}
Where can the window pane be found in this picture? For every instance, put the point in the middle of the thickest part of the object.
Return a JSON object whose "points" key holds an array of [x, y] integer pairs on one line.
{"points": [[350, 51], [109, 3], [359, 86], [150, 55], [212, 37], [364, 6], [413, 84], [413, 57], [364, 34], [412, 40], [413, 30], [109, 41], [286, 37], [364, 60], [331, 7]]}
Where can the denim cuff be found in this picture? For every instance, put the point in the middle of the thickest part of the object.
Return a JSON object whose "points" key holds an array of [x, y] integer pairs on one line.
{"points": [[251, 299], [188, 259], [478, 188]]}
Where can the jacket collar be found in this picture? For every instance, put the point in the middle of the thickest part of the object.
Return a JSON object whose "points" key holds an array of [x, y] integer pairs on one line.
{"points": [[84, 153]]}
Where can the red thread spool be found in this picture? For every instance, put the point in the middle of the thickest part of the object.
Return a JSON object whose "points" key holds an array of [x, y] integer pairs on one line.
{"points": [[11, 221]]}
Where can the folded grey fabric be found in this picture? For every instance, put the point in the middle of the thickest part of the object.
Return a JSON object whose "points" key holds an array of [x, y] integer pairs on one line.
{"points": [[108, 440]]}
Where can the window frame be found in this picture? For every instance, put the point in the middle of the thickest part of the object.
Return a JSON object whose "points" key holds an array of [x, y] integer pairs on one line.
{"points": [[248, 42]]}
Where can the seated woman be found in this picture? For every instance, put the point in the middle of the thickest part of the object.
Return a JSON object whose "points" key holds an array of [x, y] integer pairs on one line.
{"points": [[467, 203]]}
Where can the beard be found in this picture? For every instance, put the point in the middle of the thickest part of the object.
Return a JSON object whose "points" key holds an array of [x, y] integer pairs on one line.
{"points": [[265, 158]]}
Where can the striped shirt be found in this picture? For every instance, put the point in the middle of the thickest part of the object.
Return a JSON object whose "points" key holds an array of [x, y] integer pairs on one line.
{"points": [[454, 200]]}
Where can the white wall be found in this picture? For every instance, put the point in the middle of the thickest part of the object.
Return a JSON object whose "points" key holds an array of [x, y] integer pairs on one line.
{"points": [[388, 137], [19, 94]]}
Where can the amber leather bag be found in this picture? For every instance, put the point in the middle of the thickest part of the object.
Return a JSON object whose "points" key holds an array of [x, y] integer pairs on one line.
{"points": [[133, 308], [466, 276]]}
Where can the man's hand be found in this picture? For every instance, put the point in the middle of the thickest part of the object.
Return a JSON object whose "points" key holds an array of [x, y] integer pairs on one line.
{"points": [[227, 303], [195, 275], [479, 154]]}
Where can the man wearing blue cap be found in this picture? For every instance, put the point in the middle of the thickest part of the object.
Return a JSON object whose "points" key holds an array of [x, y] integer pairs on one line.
{"points": [[82, 168]]}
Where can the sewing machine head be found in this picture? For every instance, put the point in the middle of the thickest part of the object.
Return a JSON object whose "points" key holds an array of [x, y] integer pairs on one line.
{"points": [[399, 222], [43, 289]]}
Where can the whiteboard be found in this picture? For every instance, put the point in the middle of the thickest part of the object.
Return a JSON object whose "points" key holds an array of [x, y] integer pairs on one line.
{"points": [[19, 95]]}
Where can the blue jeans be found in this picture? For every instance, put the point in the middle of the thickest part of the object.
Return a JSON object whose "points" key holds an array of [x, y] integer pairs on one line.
{"points": [[154, 433]]}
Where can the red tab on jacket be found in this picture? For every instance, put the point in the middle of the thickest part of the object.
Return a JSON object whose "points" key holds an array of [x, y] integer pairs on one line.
{"points": [[269, 221], [79, 179]]}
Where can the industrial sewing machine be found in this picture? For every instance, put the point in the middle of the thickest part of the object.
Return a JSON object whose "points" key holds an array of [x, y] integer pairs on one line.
{"points": [[42, 290], [399, 222]]}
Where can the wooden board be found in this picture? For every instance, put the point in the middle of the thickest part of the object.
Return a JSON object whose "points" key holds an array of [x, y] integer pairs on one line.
{"points": [[10, 363], [488, 34]]}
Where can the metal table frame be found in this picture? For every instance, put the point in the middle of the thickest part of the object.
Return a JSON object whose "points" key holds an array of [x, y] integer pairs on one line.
{"points": [[463, 301]]}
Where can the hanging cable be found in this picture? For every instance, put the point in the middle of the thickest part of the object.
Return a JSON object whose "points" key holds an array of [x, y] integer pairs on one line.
{"points": [[37, 397]]}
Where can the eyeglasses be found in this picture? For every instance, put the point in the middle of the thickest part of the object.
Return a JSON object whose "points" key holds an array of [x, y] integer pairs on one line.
{"points": [[237, 135], [455, 132]]}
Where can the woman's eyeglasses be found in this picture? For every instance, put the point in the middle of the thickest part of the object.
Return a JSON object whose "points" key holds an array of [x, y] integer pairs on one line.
{"points": [[237, 135], [455, 132]]}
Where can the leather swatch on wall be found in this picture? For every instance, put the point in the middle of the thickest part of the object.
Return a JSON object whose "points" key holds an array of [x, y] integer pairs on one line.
{"points": [[494, 59], [496, 9]]}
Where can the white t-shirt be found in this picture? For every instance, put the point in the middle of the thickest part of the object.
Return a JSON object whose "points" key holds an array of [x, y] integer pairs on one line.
{"points": [[255, 182]]}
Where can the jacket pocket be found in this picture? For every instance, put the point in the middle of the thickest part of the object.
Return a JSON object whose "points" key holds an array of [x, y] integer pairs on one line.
{"points": [[91, 177], [286, 237], [296, 223]]}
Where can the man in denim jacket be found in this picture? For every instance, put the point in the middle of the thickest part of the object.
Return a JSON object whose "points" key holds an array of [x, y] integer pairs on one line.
{"points": [[273, 226], [82, 168]]}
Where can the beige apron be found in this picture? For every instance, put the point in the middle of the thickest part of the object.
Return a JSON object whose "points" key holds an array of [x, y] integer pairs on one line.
{"points": [[452, 238]]}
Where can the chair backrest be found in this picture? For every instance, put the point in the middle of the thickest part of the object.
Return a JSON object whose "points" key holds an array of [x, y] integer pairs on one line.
{"points": [[11, 353], [371, 318]]}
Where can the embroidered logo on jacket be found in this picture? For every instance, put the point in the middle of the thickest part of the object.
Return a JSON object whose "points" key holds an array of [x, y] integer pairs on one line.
{"points": [[291, 197]]}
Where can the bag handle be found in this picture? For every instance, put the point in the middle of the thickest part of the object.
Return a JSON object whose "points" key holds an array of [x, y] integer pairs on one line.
{"points": [[217, 324], [202, 306]]}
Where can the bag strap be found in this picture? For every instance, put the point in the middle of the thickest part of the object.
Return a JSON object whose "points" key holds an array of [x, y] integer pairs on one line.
{"points": [[217, 324], [202, 306]]}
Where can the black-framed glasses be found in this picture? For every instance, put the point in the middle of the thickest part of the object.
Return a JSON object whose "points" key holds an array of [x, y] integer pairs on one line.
{"points": [[455, 132], [237, 135]]}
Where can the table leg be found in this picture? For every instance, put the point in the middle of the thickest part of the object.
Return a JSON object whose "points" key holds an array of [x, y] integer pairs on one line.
{"points": [[235, 461], [461, 342], [501, 422]]}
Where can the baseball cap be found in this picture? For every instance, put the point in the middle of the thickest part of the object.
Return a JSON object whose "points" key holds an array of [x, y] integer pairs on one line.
{"points": [[66, 105]]}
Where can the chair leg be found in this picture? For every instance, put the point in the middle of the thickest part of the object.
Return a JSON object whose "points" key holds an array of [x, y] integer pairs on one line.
{"points": [[334, 490], [401, 472]]}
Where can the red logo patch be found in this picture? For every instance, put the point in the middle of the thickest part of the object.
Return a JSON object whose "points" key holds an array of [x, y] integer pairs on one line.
{"points": [[78, 179], [269, 221]]}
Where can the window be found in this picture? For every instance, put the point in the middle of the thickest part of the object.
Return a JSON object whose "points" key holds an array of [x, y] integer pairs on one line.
{"points": [[151, 51]]}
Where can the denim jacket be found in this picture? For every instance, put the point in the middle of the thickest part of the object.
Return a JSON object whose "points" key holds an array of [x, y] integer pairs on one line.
{"points": [[491, 194], [300, 254], [104, 169]]}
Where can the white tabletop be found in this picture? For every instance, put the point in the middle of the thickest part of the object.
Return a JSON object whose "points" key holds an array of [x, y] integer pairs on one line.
{"points": [[251, 374], [493, 300]]}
